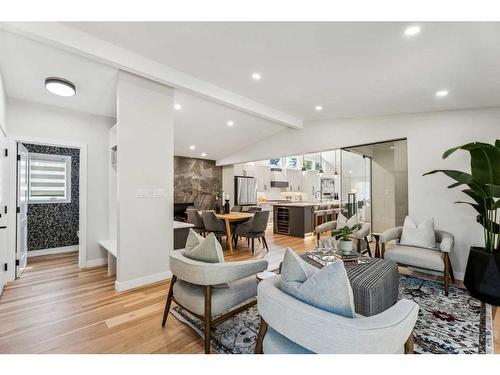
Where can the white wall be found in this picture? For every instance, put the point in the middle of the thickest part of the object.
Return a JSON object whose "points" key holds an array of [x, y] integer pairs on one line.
{"points": [[3, 187], [428, 135], [145, 162], [29, 119]]}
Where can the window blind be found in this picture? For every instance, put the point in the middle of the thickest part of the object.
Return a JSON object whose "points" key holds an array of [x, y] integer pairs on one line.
{"points": [[49, 178]]}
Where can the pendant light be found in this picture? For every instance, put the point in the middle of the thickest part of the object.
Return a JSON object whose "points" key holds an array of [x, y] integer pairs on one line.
{"points": [[321, 165], [304, 170], [335, 174]]}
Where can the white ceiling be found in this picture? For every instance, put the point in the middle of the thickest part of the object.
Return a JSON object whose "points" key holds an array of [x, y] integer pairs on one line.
{"points": [[25, 64], [204, 124], [351, 69]]}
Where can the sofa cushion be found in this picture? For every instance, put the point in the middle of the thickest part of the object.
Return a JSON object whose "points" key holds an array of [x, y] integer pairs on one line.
{"points": [[421, 235], [192, 297], [192, 240], [342, 221], [417, 257], [275, 343], [207, 250], [327, 288]]}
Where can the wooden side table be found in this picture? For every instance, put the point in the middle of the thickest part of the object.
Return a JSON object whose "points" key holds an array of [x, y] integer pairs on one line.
{"points": [[377, 244]]}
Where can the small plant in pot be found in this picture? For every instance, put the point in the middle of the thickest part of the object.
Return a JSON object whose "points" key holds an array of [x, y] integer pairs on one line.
{"points": [[343, 235], [482, 274]]}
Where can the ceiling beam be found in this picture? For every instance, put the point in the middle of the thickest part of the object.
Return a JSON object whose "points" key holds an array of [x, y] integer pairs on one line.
{"points": [[76, 41]]}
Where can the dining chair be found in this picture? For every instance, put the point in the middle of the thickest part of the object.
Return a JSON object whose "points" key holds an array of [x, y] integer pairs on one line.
{"points": [[236, 209], [254, 209], [195, 218], [254, 228]]}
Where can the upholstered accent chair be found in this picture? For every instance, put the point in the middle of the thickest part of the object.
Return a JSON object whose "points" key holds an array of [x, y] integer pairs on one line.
{"points": [[421, 258], [360, 237], [290, 326], [194, 217], [208, 290], [254, 228]]}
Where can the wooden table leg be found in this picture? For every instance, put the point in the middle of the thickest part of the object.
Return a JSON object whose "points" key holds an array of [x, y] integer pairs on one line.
{"points": [[229, 239]]}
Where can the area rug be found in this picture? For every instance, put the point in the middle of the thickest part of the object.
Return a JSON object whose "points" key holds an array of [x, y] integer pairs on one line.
{"points": [[457, 324]]}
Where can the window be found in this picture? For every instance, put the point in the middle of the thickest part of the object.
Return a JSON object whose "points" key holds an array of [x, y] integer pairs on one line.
{"points": [[49, 178]]}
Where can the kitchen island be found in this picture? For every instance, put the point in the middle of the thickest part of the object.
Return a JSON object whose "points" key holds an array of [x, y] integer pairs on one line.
{"points": [[296, 218]]}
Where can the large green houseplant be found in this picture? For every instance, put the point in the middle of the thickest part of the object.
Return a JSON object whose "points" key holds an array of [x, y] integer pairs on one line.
{"points": [[482, 185]]}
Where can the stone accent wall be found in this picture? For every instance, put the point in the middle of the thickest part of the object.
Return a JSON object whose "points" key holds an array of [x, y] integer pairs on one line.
{"points": [[196, 180]]}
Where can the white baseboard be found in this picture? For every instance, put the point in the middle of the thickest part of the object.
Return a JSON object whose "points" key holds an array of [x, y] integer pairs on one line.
{"points": [[54, 250], [96, 262], [141, 281]]}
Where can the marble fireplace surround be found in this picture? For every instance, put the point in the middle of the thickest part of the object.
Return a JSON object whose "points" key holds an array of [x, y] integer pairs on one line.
{"points": [[196, 180]]}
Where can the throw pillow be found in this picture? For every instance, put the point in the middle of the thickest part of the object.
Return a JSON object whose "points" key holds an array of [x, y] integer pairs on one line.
{"points": [[193, 239], [342, 221], [327, 288], [208, 250], [421, 235]]}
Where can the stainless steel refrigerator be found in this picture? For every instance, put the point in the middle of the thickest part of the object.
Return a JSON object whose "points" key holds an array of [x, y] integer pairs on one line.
{"points": [[245, 190]]}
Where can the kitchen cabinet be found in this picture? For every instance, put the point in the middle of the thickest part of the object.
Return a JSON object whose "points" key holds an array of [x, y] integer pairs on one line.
{"points": [[293, 219], [294, 180], [263, 175]]}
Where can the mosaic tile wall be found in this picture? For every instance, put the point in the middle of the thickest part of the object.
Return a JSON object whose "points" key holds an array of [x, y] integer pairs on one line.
{"points": [[196, 180], [53, 225]]}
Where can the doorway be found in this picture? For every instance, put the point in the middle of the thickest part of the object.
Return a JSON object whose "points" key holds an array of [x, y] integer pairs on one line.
{"points": [[375, 182], [49, 179]]}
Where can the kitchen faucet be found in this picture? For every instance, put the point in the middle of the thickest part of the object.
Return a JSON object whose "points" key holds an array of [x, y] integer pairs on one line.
{"points": [[320, 195]]}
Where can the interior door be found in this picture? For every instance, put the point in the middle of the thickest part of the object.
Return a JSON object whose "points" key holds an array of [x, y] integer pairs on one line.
{"points": [[22, 204], [3, 208]]}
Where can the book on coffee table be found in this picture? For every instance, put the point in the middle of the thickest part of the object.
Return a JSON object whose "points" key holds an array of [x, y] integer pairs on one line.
{"points": [[325, 258]]}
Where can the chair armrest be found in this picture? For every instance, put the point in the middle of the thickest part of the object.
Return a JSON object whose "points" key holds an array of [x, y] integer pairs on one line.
{"points": [[201, 273], [329, 225], [446, 241], [391, 234], [362, 232], [323, 332]]}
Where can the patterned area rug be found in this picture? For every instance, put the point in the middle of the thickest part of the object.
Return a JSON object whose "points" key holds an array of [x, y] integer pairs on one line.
{"points": [[457, 324]]}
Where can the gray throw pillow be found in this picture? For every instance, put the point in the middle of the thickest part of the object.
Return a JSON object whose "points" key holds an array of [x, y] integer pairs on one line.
{"points": [[421, 235], [327, 288], [193, 239], [208, 250]]}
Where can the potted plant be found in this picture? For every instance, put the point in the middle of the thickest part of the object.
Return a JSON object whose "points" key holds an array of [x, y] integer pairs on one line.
{"points": [[482, 274], [343, 235]]}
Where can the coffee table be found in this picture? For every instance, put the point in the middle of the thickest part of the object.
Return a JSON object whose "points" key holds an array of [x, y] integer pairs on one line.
{"points": [[374, 282]]}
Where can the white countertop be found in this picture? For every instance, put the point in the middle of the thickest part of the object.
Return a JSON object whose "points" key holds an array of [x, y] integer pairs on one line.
{"points": [[180, 225]]}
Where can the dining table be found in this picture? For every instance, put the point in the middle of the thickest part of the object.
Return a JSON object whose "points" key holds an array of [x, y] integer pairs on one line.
{"points": [[233, 217]]}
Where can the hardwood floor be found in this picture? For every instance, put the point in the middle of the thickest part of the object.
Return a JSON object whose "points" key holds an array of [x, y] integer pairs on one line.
{"points": [[56, 307]]}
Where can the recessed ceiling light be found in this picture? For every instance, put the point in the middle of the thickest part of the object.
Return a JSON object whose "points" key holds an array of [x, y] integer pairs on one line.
{"points": [[350, 172], [203, 154], [318, 108], [177, 107], [230, 123], [412, 30], [192, 147], [392, 147], [60, 86], [442, 93], [256, 76]]}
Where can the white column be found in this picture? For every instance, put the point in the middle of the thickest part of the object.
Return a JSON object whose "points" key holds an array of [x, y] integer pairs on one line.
{"points": [[145, 181]]}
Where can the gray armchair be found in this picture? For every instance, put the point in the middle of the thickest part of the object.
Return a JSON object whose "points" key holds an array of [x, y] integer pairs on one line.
{"points": [[207, 290], [254, 228], [290, 326], [194, 217], [428, 259], [360, 236]]}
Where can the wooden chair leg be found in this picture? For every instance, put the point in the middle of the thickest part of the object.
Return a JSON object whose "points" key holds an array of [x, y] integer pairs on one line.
{"points": [[170, 296], [208, 317], [382, 251], [253, 241], [265, 243], [260, 337], [452, 275], [446, 273], [368, 247], [409, 344]]}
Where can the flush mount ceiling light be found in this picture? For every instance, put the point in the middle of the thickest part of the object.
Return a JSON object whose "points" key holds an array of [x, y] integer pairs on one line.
{"points": [[412, 30], [318, 108], [203, 154], [335, 174], [177, 107], [256, 76], [442, 93], [60, 86], [192, 147], [230, 123]]}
